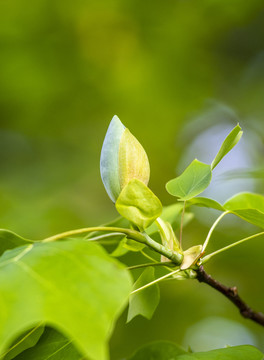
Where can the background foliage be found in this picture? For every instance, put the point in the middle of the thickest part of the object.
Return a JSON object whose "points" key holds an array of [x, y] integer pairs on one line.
{"points": [[172, 72]]}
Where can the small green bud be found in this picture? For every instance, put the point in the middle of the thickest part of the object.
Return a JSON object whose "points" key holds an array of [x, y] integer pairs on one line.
{"points": [[122, 159]]}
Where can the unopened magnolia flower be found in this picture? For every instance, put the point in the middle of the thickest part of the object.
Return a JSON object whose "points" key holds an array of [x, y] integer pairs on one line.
{"points": [[122, 159]]}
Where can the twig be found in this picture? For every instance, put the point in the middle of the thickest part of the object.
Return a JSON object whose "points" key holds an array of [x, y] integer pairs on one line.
{"points": [[232, 294]]}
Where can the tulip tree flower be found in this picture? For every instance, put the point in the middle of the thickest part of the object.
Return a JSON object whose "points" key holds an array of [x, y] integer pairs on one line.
{"points": [[125, 174], [122, 159]]}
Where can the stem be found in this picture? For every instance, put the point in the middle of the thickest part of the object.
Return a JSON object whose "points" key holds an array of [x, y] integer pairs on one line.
{"points": [[132, 234], [165, 263], [135, 235], [232, 294], [168, 253], [212, 229], [155, 281], [104, 236], [182, 218], [208, 257]]}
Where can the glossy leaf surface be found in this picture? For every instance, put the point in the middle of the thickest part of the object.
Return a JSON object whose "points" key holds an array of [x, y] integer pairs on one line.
{"points": [[194, 180]]}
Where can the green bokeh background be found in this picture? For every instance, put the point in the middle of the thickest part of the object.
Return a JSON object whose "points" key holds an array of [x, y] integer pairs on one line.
{"points": [[170, 70]]}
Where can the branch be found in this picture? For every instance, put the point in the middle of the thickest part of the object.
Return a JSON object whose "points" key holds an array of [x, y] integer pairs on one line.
{"points": [[232, 294]]}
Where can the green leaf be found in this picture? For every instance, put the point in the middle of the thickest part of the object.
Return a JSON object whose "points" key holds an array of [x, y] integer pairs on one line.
{"points": [[248, 206], [230, 141], [10, 240], [246, 352], [138, 204], [206, 202], [194, 180], [145, 301], [23, 342], [245, 200], [53, 346], [159, 350], [64, 284]]}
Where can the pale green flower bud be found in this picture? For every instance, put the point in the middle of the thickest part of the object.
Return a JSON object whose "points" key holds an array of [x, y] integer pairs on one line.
{"points": [[122, 159]]}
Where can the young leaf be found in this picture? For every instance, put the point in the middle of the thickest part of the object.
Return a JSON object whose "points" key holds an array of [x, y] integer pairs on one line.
{"points": [[145, 301], [160, 350], [194, 180], [52, 345], [206, 202], [248, 206], [138, 204], [230, 141], [65, 284]]}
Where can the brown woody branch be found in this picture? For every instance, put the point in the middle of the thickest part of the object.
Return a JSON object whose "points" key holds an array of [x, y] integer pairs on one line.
{"points": [[232, 295]]}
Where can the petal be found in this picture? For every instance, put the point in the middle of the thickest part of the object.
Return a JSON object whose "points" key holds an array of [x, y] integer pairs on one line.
{"points": [[133, 160], [109, 158]]}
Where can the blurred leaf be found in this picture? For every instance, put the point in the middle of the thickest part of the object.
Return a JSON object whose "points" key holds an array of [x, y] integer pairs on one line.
{"points": [[246, 352], [145, 301], [245, 201], [194, 180], [162, 350], [190, 256], [23, 342], [52, 345], [206, 202], [10, 240], [125, 246], [138, 204], [159, 350], [63, 283], [248, 206], [133, 245], [230, 141]]}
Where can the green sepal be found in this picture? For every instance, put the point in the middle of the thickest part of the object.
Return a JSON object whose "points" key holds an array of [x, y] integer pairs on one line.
{"points": [[138, 204]]}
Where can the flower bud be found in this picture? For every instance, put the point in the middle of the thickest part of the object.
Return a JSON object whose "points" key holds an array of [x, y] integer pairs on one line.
{"points": [[122, 159]]}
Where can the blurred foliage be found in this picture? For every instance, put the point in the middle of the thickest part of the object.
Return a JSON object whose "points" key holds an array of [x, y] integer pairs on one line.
{"points": [[170, 71]]}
